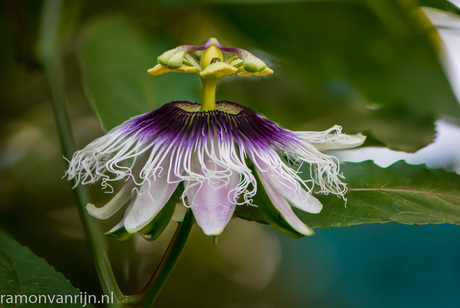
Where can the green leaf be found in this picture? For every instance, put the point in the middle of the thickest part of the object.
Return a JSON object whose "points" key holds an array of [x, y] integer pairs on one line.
{"points": [[25, 279], [401, 193], [115, 57]]}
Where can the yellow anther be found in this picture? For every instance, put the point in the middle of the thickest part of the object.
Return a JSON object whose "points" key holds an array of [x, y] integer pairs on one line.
{"points": [[160, 69], [218, 68]]}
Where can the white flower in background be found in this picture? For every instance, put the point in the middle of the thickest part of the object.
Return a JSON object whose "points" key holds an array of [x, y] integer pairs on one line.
{"points": [[442, 152], [448, 27]]}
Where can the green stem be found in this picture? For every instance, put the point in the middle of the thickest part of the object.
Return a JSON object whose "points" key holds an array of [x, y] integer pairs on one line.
{"points": [[50, 54], [168, 261], [209, 93]]}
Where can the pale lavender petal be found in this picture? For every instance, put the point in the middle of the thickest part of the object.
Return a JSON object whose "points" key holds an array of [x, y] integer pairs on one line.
{"points": [[285, 209], [151, 198], [212, 205]]}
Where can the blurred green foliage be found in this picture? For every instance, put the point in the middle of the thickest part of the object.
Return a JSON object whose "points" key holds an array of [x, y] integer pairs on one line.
{"points": [[371, 66]]}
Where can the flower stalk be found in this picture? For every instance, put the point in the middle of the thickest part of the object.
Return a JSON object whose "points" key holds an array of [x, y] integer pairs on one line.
{"points": [[169, 259]]}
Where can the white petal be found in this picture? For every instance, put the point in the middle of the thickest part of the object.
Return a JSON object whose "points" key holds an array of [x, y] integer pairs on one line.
{"points": [[285, 209], [153, 195], [331, 139], [288, 187], [114, 204], [310, 204], [340, 142]]}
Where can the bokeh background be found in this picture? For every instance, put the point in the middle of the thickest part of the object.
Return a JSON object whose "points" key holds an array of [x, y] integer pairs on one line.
{"points": [[375, 67]]}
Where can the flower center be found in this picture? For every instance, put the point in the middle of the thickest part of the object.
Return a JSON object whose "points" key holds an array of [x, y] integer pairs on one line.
{"points": [[228, 107], [222, 106]]}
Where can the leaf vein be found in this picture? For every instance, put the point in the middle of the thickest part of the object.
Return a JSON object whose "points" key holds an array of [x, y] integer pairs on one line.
{"points": [[406, 191]]}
